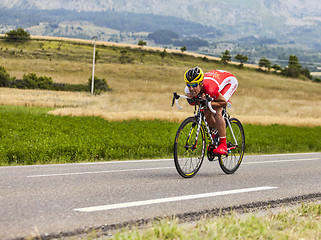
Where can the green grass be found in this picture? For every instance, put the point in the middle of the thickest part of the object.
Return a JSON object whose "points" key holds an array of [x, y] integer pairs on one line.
{"points": [[281, 139], [303, 222], [29, 135]]}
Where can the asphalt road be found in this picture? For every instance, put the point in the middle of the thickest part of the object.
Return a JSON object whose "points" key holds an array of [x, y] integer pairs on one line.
{"points": [[49, 199]]}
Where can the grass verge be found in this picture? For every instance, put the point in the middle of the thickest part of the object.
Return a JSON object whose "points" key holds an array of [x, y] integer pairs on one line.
{"points": [[303, 222], [31, 136]]}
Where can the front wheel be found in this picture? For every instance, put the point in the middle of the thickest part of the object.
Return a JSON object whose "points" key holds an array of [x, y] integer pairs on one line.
{"points": [[236, 146], [189, 147]]}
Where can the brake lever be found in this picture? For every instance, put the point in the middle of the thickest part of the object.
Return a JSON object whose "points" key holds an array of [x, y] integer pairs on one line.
{"points": [[176, 96]]}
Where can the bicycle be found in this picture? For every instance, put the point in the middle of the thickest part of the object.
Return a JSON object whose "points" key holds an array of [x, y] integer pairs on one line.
{"points": [[194, 134]]}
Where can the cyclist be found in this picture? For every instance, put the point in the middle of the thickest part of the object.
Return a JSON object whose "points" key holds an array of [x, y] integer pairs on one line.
{"points": [[220, 85]]}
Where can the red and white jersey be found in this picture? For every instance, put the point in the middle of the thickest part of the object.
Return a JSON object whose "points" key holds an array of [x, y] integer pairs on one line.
{"points": [[218, 81]]}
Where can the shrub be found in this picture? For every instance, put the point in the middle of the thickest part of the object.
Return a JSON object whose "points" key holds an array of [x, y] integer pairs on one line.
{"points": [[17, 35], [33, 82], [142, 43], [4, 77], [45, 82], [70, 87], [100, 85], [125, 57]]}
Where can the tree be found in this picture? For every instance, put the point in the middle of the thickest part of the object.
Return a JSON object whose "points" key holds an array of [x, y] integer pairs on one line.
{"points": [[183, 49], [265, 63], [294, 68], [241, 58], [277, 67], [226, 57], [163, 54], [294, 62], [307, 73], [19, 35], [142, 43]]}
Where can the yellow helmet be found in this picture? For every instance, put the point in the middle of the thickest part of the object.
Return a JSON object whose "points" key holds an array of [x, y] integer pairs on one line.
{"points": [[193, 75]]}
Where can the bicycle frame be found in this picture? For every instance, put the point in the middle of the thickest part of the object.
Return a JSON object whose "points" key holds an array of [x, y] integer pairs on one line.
{"points": [[194, 138], [201, 118]]}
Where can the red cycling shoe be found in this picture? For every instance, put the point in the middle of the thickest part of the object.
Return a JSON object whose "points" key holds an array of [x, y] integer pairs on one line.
{"points": [[220, 150]]}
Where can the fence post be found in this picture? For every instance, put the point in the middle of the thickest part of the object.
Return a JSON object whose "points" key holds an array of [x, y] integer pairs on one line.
{"points": [[93, 75]]}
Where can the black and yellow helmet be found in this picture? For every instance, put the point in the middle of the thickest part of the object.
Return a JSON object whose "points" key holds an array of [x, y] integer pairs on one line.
{"points": [[193, 75]]}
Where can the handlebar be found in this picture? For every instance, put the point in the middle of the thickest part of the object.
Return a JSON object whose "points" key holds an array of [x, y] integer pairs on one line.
{"points": [[207, 101]]}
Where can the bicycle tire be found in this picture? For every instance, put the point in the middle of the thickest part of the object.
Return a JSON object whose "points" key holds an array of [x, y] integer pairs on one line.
{"points": [[188, 156], [231, 162]]}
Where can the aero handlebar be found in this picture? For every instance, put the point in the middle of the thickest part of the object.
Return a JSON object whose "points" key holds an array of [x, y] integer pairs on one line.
{"points": [[207, 100]]}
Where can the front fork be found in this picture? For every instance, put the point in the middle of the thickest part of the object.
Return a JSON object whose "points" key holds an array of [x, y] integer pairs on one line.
{"points": [[231, 130], [199, 125]]}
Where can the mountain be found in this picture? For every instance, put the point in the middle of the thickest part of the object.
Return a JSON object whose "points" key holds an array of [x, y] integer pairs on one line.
{"points": [[267, 17], [251, 24]]}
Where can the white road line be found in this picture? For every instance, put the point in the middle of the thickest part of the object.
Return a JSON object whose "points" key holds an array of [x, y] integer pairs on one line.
{"points": [[160, 168], [285, 160], [286, 154], [108, 171], [139, 161], [170, 199]]}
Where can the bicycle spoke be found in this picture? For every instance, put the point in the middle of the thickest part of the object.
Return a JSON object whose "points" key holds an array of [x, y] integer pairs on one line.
{"points": [[189, 148], [232, 161]]}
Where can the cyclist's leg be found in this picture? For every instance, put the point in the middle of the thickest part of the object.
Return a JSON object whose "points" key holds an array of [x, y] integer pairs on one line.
{"points": [[227, 91], [230, 88], [221, 128], [210, 118], [220, 123]]}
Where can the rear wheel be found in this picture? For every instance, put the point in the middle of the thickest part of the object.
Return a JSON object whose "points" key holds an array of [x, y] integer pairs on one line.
{"points": [[189, 148], [231, 162]]}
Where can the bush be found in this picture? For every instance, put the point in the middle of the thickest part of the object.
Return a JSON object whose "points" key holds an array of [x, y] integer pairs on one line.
{"points": [[4, 78], [17, 35], [292, 72], [125, 57], [100, 85], [70, 87], [33, 82]]}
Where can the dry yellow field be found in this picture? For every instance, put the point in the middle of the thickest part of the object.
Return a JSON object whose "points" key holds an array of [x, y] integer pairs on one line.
{"points": [[256, 101], [142, 91]]}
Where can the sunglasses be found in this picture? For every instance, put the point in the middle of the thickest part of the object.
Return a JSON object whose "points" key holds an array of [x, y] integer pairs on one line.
{"points": [[192, 85]]}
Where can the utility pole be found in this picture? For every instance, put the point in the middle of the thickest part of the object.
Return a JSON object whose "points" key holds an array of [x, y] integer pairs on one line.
{"points": [[93, 75]]}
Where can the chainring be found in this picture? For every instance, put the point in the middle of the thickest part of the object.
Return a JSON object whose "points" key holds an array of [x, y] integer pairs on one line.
{"points": [[210, 155]]}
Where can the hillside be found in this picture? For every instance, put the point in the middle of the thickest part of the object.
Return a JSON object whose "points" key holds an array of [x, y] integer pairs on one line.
{"points": [[273, 19], [142, 83], [272, 29]]}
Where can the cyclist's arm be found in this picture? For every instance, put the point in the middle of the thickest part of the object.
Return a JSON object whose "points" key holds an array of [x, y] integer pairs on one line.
{"points": [[190, 99], [219, 102]]}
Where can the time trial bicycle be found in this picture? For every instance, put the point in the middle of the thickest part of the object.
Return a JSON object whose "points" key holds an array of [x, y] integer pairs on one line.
{"points": [[194, 138]]}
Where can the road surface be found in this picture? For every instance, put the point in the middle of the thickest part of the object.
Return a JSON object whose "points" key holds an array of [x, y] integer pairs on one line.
{"points": [[47, 200]]}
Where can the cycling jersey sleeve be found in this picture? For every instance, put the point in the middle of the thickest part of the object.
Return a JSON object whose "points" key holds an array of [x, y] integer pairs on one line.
{"points": [[211, 88]]}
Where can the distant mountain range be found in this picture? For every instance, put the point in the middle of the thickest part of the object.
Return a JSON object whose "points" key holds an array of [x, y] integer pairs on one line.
{"points": [[269, 18], [246, 22]]}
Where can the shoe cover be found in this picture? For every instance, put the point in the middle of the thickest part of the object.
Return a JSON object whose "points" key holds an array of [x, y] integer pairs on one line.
{"points": [[221, 149]]}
